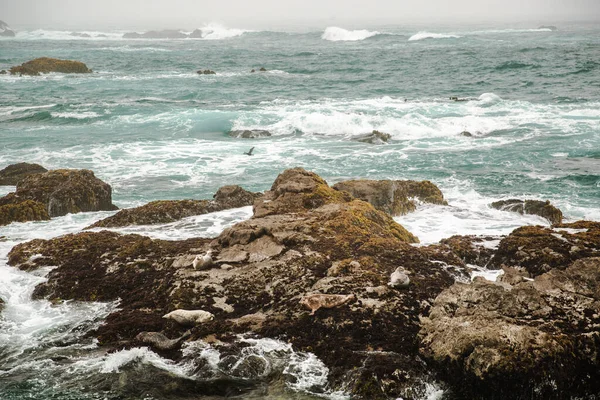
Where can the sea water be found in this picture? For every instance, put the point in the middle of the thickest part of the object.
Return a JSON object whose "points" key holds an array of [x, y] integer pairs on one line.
{"points": [[145, 122]]}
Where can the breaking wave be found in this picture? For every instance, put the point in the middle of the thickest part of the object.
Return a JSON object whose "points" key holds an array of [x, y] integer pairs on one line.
{"points": [[336, 34], [214, 31], [428, 35]]}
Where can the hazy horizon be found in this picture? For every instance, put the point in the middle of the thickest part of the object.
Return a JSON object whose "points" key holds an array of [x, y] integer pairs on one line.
{"points": [[189, 14]]}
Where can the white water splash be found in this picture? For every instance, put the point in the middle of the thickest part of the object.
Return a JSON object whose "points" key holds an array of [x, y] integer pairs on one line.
{"points": [[335, 34]]}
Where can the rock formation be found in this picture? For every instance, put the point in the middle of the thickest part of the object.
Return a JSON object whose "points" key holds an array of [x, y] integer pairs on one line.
{"points": [[165, 211], [45, 65], [374, 137], [206, 72], [5, 30], [304, 238], [536, 207], [535, 339], [14, 173], [393, 197], [536, 249], [56, 193]]}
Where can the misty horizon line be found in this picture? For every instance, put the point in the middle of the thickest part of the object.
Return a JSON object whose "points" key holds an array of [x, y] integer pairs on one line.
{"points": [[302, 24]]}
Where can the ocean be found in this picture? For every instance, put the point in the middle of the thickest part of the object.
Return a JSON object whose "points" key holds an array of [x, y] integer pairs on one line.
{"points": [[146, 123]]}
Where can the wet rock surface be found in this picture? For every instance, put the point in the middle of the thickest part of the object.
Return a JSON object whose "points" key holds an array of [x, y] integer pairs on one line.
{"points": [[14, 173], [535, 339], [393, 197], [536, 249], [332, 275], [165, 211], [249, 133], [536, 207], [56, 193], [374, 137], [45, 65]]}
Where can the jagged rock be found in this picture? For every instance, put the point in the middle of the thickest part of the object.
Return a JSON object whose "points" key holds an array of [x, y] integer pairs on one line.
{"points": [[206, 72], [165, 211], [164, 34], [472, 249], [304, 237], [45, 65], [55, 193], [537, 249], [536, 207], [14, 173], [374, 137], [537, 339], [249, 133], [5, 30], [393, 197], [196, 34], [27, 210]]}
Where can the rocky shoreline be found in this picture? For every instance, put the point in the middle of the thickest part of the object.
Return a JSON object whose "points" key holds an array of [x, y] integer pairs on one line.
{"points": [[329, 271]]}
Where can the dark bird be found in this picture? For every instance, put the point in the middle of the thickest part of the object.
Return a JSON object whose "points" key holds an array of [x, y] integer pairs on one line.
{"points": [[249, 153]]}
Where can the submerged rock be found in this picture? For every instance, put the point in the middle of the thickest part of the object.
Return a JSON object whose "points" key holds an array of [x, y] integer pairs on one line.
{"points": [[393, 197], [165, 211], [14, 173], [536, 207], [206, 72], [374, 137], [45, 65], [536, 339], [249, 133], [3, 72]]}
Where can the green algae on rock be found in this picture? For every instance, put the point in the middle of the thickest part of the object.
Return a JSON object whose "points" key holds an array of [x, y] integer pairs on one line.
{"points": [[44, 65], [393, 197], [14, 173]]}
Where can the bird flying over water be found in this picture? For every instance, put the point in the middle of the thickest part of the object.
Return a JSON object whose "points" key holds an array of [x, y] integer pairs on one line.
{"points": [[249, 153]]}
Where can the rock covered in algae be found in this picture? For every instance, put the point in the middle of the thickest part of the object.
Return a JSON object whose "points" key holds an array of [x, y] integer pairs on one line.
{"points": [[44, 65]]}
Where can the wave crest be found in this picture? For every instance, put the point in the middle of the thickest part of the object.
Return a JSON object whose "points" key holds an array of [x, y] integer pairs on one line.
{"points": [[429, 35], [335, 34], [214, 31]]}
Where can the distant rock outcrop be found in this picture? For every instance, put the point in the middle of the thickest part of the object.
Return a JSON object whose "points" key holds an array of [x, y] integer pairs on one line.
{"points": [[206, 72], [393, 197], [14, 173], [5, 30], [164, 34], [45, 65], [81, 35], [536, 207], [196, 34]]}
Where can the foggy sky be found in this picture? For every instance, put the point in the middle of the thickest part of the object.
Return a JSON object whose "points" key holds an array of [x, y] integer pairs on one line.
{"points": [[189, 14]]}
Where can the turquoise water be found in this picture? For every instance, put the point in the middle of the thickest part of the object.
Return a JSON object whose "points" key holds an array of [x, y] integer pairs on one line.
{"points": [[146, 123]]}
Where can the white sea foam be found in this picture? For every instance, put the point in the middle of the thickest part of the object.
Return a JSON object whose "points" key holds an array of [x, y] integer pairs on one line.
{"points": [[76, 115], [335, 34], [206, 225], [41, 34], [467, 213], [429, 35], [215, 31]]}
